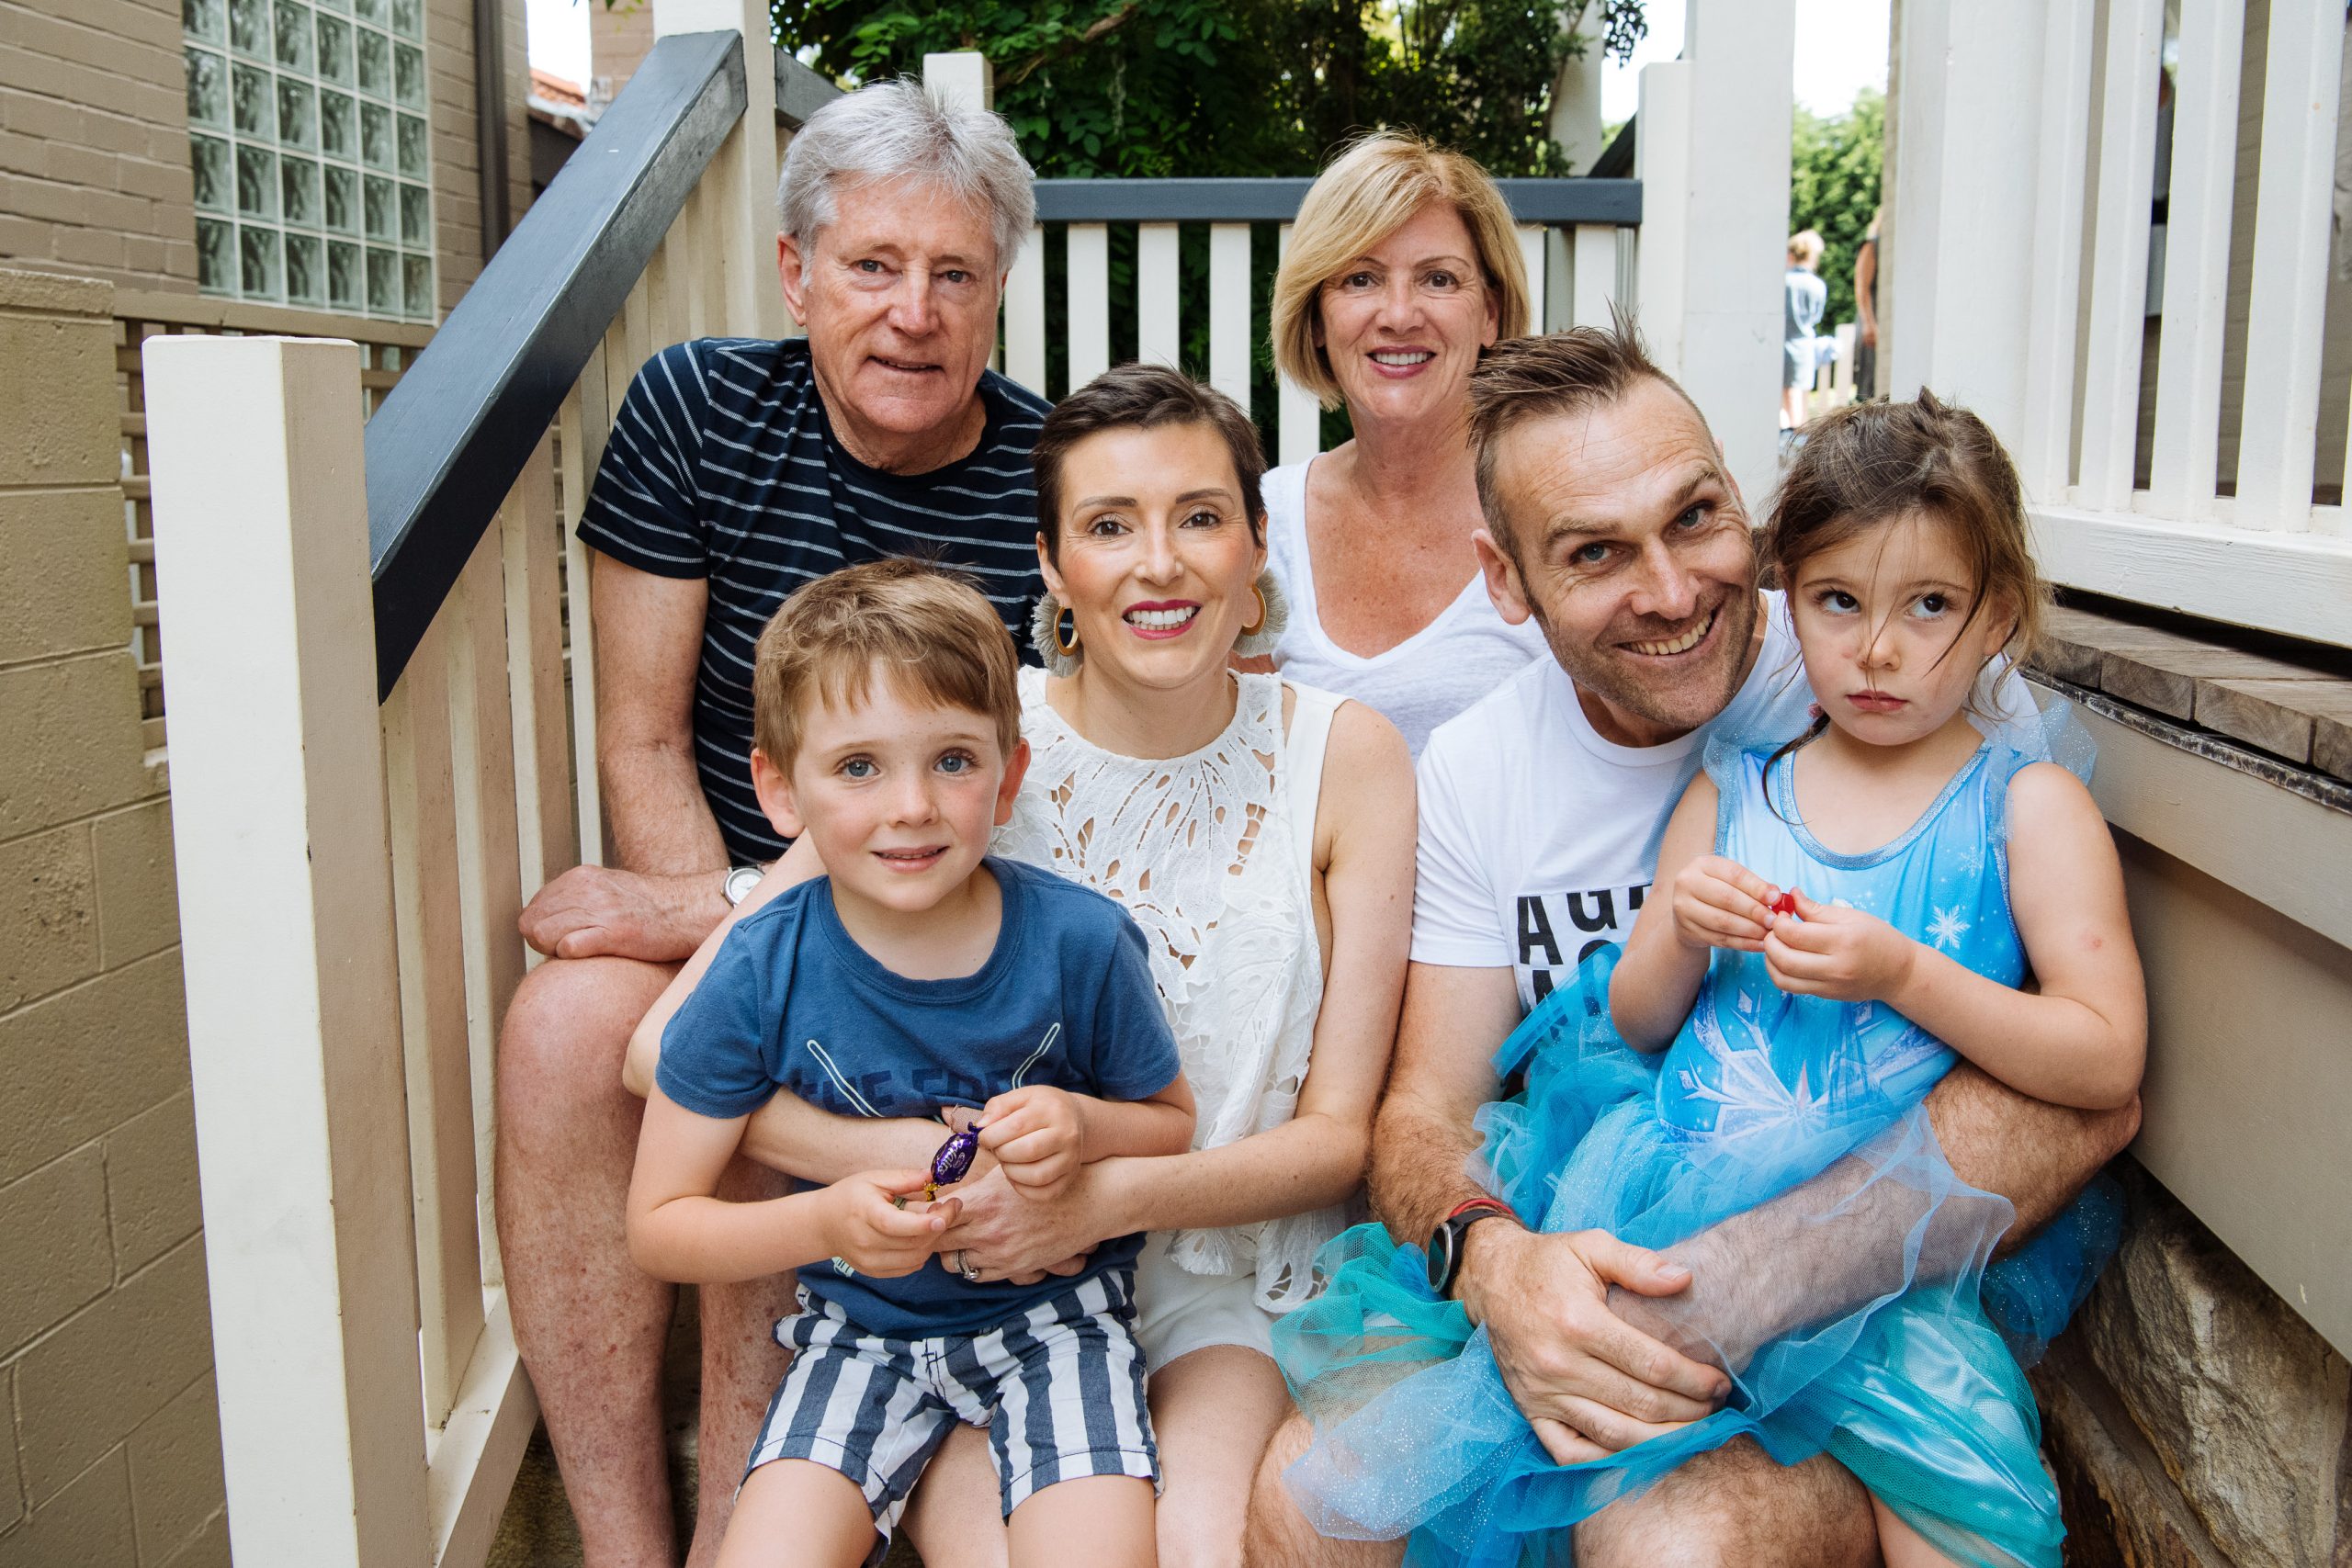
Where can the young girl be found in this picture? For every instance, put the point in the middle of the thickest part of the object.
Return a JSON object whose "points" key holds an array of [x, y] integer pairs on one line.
{"points": [[1850, 912]]}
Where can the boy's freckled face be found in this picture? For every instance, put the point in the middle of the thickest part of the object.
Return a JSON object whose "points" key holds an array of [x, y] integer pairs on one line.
{"points": [[898, 794]]}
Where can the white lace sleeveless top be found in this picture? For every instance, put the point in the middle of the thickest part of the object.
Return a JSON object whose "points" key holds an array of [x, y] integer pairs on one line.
{"points": [[1212, 854]]}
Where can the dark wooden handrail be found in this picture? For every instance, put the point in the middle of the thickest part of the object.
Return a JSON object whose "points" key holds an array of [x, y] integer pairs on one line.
{"points": [[448, 443]]}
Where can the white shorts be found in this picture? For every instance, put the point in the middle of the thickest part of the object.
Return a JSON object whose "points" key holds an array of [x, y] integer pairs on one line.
{"points": [[1179, 1311]]}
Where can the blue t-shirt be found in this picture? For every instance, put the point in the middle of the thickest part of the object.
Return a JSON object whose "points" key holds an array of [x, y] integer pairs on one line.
{"points": [[790, 999]]}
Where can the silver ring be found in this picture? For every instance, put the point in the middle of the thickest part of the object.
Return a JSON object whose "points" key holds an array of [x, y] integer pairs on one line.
{"points": [[964, 1266]]}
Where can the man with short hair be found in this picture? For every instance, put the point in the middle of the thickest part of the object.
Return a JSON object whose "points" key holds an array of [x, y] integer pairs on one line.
{"points": [[737, 470], [1613, 524]]}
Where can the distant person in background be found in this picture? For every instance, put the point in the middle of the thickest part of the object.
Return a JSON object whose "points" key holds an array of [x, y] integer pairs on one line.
{"points": [[1402, 271], [1866, 312], [1804, 297]]}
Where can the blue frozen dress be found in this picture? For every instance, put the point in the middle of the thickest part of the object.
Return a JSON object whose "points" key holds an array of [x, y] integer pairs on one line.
{"points": [[1909, 1374]]}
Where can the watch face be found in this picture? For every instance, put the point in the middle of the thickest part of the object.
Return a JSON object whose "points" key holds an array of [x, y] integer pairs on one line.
{"points": [[740, 883]]}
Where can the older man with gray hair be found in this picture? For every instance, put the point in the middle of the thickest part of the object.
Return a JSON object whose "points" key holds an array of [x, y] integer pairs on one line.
{"points": [[737, 470]]}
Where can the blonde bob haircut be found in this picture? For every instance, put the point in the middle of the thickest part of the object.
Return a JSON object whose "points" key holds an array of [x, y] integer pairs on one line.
{"points": [[1367, 194]]}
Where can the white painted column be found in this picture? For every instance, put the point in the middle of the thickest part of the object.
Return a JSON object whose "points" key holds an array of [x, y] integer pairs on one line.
{"points": [[286, 915], [962, 77], [1662, 163], [1740, 56], [2044, 446], [1969, 155], [744, 172]]}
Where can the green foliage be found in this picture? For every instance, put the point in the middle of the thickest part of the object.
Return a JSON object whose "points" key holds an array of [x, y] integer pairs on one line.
{"points": [[1233, 87], [1835, 167]]}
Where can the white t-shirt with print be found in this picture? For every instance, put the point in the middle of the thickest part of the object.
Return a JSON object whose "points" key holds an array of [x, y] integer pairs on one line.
{"points": [[1539, 837]]}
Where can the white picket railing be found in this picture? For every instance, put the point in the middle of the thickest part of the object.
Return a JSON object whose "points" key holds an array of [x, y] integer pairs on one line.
{"points": [[1576, 272], [2028, 286]]}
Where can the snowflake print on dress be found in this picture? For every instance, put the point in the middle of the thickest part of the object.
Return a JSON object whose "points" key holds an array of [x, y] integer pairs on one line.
{"points": [[1946, 929]]}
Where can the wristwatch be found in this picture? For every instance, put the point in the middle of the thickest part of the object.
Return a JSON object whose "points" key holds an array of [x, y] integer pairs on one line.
{"points": [[739, 882], [1446, 1241]]}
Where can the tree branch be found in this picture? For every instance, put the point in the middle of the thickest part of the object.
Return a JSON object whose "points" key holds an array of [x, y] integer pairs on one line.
{"points": [[1103, 27]]}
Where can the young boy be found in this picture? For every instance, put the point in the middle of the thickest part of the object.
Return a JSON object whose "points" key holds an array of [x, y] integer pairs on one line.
{"points": [[918, 974]]}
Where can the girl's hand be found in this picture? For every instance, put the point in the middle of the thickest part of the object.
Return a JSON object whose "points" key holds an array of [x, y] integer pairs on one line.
{"points": [[1036, 1134], [1720, 903], [873, 1234], [1844, 954]]}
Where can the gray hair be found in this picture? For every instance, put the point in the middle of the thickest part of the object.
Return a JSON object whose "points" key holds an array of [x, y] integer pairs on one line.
{"points": [[898, 129]]}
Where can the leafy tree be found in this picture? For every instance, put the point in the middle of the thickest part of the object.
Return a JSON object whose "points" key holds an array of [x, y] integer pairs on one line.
{"points": [[1834, 167], [1234, 87]]}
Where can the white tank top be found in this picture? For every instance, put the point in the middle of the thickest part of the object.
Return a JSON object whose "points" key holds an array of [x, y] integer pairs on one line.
{"points": [[1422, 681], [1213, 855]]}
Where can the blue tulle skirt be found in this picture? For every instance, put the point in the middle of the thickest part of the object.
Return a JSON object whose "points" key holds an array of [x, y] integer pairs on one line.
{"points": [[1907, 1372]]}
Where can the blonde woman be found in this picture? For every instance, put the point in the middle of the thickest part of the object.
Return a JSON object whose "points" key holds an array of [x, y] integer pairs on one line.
{"points": [[1403, 269]]}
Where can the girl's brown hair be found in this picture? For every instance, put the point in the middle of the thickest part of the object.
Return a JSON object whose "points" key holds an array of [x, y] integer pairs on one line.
{"points": [[1873, 464]]}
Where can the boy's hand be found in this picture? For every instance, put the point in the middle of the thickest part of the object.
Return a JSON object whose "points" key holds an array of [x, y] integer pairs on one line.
{"points": [[1036, 1134], [1844, 954], [873, 1234], [1720, 903]]}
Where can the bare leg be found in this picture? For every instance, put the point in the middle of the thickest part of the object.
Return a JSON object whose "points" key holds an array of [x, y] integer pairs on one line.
{"points": [[741, 1365], [1902, 1546], [956, 1516], [1213, 1412], [1279, 1537], [1103, 1519], [794, 1512], [1734, 1506], [589, 1324]]}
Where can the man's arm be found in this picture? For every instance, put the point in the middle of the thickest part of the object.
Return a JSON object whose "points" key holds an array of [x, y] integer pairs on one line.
{"points": [[1835, 1242], [666, 894], [1583, 1377], [1865, 279]]}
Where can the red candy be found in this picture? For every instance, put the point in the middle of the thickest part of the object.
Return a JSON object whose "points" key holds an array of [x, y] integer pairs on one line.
{"points": [[1786, 904]]}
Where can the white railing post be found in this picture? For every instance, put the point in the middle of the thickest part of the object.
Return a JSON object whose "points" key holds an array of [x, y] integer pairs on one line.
{"points": [[1298, 413], [2045, 445], [2118, 303], [1230, 339], [1742, 54], [1966, 155], [1088, 299], [2197, 258], [741, 178], [1662, 163], [1594, 270], [1160, 324], [286, 911], [2287, 298]]}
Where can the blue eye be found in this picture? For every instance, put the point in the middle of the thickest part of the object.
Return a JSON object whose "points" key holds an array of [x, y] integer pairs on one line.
{"points": [[956, 763], [1591, 554], [858, 768], [1692, 518]]}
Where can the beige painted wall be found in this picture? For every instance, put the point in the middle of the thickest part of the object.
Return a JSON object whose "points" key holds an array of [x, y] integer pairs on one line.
{"points": [[94, 148], [111, 1454]]}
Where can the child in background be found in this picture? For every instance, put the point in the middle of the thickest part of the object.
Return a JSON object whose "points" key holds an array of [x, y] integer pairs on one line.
{"points": [[1839, 918], [920, 974]]}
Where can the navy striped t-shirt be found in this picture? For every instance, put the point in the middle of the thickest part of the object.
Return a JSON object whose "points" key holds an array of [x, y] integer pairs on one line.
{"points": [[722, 466]]}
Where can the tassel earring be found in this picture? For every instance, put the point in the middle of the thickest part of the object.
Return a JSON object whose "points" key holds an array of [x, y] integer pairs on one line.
{"points": [[1061, 657], [1273, 617]]}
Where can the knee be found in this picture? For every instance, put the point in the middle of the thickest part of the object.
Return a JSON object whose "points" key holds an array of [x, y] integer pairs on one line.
{"points": [[1274, 1534], [565, 1033]]}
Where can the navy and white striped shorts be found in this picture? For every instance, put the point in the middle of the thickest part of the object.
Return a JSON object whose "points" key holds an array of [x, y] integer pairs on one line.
{"points": [[1060, 1390]]}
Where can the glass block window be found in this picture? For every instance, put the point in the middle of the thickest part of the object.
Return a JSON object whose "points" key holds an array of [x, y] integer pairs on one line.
{"points": [[312, 153]]}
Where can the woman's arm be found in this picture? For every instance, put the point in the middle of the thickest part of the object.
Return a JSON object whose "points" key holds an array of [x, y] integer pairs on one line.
{"points": [[678, 1230], [2080, 1040], [1365, 864], [1715, 903]]}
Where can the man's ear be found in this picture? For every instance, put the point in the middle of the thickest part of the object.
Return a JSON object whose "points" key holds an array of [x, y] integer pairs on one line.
{"points": [[1504, 584], [792, 270], [773, 786], [1016, 768]]}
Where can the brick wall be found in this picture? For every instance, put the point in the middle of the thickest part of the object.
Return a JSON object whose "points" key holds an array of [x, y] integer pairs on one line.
{"points": [[110, 1454], [456, 148], [93, 149], [93, 154]]}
